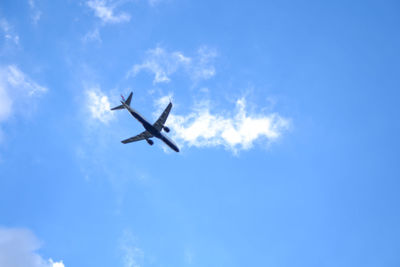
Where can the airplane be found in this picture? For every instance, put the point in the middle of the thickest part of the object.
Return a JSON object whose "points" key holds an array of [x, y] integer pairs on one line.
{"points": [[152, 130]]}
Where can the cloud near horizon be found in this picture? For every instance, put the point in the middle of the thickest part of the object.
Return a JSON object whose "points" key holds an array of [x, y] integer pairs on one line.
{"points": [[18, 249]]}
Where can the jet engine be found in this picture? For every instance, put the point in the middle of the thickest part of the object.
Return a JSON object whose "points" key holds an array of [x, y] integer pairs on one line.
{"points": [[166, 129], [150, 142]]}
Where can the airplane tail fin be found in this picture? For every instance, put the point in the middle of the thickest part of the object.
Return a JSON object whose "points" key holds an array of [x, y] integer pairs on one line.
{"points": [[127, 101]]}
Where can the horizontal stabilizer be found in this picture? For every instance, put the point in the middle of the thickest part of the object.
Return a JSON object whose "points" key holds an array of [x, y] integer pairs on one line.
{"points": [[119, 107]]}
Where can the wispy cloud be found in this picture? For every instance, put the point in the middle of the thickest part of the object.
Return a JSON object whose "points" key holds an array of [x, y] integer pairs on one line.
{"points": [[15, 85], [5, 103], [18, 248], [36, 13], [237, 131], [132, 255], [17, 79], [204, 69], [98, 105], [92, 36], [163, 64], [8, 32], [105, 11]]}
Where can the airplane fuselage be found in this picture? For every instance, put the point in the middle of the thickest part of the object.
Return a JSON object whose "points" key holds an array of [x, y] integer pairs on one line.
{"points": [[150, 128]]}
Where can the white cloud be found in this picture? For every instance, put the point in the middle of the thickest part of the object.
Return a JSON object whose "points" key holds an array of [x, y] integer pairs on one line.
{"points": [[18, 249], [239, 131], [204, 68], [36, 13], [105, 11], [8, 32], [15, 85], [99, 105], [5, 103], [92, 36], [56, 264], [163, 64], [17, 79], [132, 255]]}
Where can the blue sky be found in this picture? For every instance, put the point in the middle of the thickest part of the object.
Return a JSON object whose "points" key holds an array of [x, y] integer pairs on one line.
{"points": [[286, 114]]}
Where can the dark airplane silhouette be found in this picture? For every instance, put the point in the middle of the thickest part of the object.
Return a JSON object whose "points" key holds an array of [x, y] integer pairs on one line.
{"points": [[152, 130]]}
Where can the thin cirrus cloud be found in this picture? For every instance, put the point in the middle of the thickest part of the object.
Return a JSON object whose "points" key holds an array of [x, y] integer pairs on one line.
{"points": [[18, 248], [238, 131], [92, 36], [162, 64], [8, 33], [15, 84], [104, 10], [132, 256], [36, 13]]}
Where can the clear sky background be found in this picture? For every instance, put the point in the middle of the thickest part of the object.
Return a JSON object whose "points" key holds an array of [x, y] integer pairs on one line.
{"points": [[286, 114]]}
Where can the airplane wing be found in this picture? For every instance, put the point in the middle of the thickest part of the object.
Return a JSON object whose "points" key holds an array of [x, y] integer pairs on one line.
{"points": [[139, 137], [161, 120]]}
